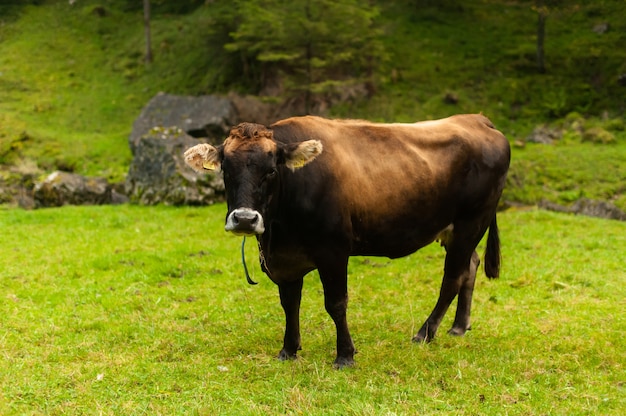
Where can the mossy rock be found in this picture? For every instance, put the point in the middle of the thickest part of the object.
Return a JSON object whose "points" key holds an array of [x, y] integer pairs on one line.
{"points": [[598, 135]]}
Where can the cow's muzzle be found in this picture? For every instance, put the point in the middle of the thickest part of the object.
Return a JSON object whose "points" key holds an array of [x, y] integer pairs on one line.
{"points": [[245, 221]]}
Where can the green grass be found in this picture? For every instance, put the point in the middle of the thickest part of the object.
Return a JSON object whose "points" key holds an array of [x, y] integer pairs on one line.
{"points": [[133, 310], [565, 172]]}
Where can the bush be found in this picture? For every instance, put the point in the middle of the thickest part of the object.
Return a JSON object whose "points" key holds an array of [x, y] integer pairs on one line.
{"points": [[616, 124]]}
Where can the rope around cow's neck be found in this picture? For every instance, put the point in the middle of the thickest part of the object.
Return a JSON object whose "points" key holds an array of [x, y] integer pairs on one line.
{"points": [[243, 260]]}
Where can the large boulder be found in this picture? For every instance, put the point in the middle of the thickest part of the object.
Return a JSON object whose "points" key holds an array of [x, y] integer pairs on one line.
{"points": [[158, 173], [166, 127], [205, 116]]}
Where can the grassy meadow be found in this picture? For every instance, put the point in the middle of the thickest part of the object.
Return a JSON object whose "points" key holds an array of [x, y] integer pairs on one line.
{"points": [[128, 310], [134, 310]]}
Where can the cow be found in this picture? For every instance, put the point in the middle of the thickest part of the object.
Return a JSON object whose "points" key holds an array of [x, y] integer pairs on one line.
{"points": [[315, 191]]}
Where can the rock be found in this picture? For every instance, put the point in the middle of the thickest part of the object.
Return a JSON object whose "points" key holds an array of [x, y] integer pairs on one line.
{"points": [[451, 98], [553, 206], [601, 28], [544, 135], [205, 116], [253, 110], [588, 207], [17, 183], [159, 175], [598, 135], [63, 188], [601, 209], [166, 127]]}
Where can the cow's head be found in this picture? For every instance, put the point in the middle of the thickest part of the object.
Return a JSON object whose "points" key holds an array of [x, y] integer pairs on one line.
{"points": [[250, 159]]}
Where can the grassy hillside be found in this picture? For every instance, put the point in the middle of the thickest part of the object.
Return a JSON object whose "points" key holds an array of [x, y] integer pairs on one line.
{"points": [[72, 80], [484, 52]]}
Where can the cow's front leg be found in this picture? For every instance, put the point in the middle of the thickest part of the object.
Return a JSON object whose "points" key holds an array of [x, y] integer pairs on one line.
{"points": [[290, 297], [334, 278]]}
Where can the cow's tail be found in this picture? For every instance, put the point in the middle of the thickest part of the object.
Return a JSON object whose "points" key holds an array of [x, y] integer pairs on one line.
{"points": [[492, 252]]}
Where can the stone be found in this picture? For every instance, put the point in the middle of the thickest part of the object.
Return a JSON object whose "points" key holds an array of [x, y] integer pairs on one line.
{"points": [[598, 135], [600, 209], [205, 116], [167, 126], [451, 98], [544, 135], [64, 188], [601, 28], [587, 207], [159, 175]]}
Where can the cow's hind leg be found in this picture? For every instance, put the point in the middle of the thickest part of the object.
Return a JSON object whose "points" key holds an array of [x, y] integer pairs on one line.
{"points": [[458, 278], [290, 297], [464, 305]]}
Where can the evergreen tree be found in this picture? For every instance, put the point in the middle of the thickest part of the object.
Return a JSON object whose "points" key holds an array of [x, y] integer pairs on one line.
{"points": [[307, 48]]}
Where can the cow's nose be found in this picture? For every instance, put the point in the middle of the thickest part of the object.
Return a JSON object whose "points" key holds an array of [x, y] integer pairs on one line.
{"points": [[245, 221]]}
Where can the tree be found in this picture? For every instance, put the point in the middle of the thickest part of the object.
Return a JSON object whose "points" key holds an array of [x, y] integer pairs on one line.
{"points": [[543, 9], [307, 47], [542, 14], [146, 28]]}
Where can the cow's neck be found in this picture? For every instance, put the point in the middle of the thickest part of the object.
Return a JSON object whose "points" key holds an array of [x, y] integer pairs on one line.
{"points": [[264, 243]]}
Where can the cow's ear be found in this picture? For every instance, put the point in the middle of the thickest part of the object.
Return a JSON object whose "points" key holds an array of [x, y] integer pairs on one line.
{"points": [[297, 155], [203, 157]]}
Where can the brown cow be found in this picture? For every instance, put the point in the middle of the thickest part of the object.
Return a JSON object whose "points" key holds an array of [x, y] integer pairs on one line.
{"points": [[315, 191]]}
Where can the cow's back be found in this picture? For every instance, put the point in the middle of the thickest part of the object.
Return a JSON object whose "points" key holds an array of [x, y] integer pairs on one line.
{"points": [[377, 178]]}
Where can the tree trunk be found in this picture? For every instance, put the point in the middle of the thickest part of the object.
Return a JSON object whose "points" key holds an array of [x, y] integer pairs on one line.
{"points": [[309, 68], [146, 28], [541, 35]]}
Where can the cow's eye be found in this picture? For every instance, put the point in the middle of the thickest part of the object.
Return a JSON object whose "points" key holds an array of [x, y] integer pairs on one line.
{"points": [[271, 173]]}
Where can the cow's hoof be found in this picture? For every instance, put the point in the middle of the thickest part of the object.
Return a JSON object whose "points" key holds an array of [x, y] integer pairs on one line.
{"points": [[343, 362], [285, 356], [425, 334], [457, 331], [423, 337]]}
